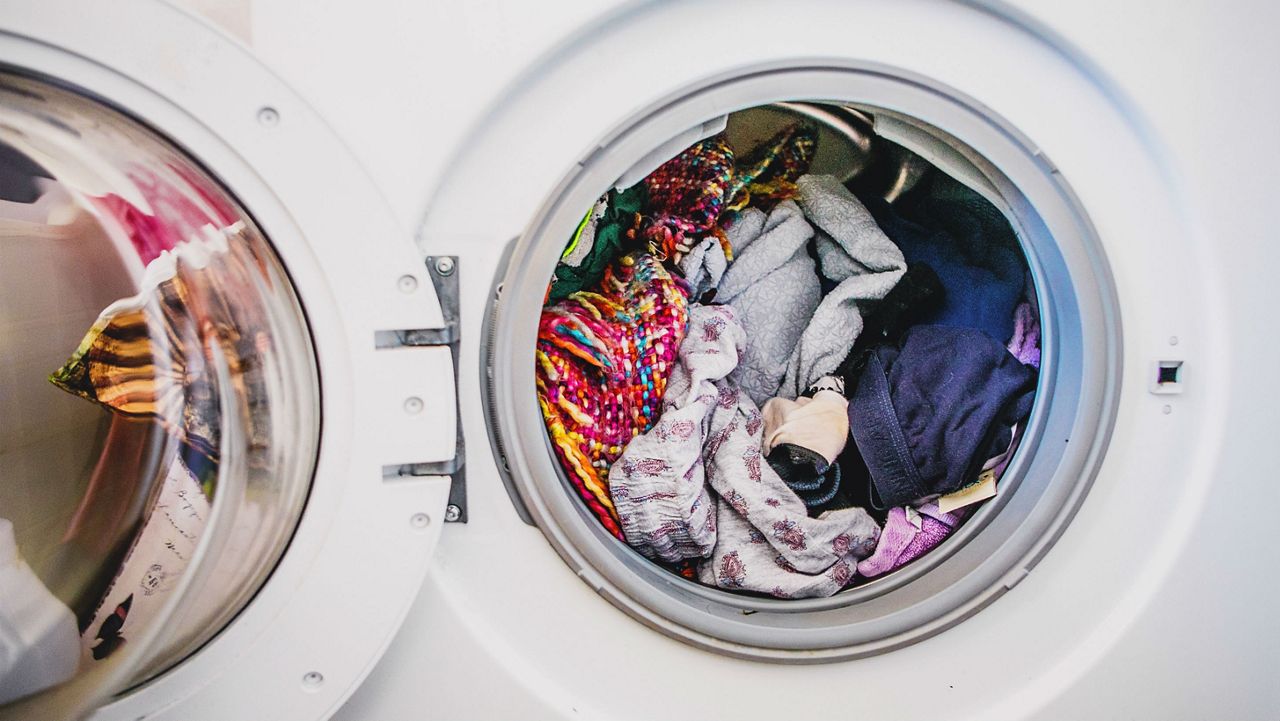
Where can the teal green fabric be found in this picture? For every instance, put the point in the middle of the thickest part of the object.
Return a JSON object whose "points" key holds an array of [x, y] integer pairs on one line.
{"points": [[610, 241]]}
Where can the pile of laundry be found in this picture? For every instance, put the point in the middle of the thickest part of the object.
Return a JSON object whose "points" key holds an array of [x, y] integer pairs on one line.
{"points": [[761, 381]]}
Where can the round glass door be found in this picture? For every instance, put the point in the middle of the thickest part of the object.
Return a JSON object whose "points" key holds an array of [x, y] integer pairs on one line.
{"points": [[161, 402]]}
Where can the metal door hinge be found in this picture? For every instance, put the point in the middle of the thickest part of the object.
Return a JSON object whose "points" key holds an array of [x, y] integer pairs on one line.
{"points": [[443, 270]]}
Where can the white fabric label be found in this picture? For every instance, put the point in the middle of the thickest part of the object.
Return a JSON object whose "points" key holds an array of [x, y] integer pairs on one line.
{"points": [[982, 490]]}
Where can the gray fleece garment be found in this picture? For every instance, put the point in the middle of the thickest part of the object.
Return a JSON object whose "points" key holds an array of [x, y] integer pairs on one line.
{"points": [[855, 253], [772, 283], [795, 335]]}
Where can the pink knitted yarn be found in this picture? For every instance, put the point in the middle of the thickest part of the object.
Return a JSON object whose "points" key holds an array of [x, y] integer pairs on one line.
{"points": [[603, 360], [687, 194]]}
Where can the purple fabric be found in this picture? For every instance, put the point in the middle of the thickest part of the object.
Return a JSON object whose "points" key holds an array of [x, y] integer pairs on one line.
{"points": [[901, 542], [934, 530], [895, 536], [1025, 343]]}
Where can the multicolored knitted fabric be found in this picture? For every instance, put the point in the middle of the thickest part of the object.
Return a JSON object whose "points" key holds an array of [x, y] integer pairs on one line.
{"points": [[690, 193], [767, 176], [687, 194], [603, 358]]}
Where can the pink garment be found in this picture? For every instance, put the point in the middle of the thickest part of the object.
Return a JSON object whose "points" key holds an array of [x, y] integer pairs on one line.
{"points": [[177, 215], [1025, 343], [902, 542], [215, 198]]}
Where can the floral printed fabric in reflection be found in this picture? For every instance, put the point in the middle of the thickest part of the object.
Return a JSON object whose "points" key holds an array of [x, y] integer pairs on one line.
{"points": [[603, 358]]}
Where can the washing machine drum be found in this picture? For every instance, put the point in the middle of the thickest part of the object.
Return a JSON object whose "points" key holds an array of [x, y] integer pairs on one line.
{"points": [[163, 357], [766, 368], [791, 359]]}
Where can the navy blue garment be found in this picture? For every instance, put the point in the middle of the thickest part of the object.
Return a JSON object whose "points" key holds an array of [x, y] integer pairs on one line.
{"points": [[969, 244], [927, 414], [917, 296], [18, 175], [808, 474]]}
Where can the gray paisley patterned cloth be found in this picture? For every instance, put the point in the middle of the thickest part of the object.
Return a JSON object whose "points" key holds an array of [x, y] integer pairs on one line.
{"points": [[795, 334], [696, 484]]}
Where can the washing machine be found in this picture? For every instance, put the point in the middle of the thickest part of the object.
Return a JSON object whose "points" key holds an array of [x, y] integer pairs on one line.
{"points": [[382, 455]]}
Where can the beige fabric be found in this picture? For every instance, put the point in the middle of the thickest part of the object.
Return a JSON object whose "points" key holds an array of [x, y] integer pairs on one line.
{"points": [[820, 423]]}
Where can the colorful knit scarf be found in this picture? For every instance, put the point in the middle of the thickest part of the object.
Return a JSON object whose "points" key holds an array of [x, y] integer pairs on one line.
{"points": [[603, 358], [690, 193], [768, 175], [687, 194]]}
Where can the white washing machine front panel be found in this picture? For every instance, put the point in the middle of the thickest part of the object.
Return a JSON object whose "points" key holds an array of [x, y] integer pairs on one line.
{"points": [[1109, 623]]}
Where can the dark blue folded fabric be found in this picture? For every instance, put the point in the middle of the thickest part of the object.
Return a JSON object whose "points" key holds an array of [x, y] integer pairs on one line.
{"points": [[18, 174], [918, 295], [814, 480], [927, 414], [971, 247]]}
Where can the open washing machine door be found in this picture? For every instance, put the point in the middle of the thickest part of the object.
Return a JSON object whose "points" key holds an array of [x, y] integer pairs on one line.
{"points": [[230, 434]]}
